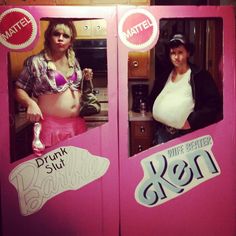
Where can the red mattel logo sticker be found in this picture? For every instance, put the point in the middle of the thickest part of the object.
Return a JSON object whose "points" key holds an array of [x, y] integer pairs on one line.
{"points": [[18, 28], [138, 29]]}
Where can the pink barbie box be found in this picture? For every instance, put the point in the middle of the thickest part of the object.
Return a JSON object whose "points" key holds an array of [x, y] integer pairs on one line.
{"points": [[112, 179], [69, 176]]}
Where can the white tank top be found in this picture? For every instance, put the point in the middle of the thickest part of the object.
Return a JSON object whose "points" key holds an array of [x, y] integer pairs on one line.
{"points": [[175, 102]]}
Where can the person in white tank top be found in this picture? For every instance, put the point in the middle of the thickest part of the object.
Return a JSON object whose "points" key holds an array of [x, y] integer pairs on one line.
{"points": [[187, 99]]}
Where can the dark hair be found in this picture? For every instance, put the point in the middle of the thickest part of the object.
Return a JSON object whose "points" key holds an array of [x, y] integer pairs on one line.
{"points": [[52, 24], [178, 40]]}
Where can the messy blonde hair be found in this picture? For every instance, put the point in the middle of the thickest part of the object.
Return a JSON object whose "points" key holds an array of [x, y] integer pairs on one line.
{"points": [[69, 28]]}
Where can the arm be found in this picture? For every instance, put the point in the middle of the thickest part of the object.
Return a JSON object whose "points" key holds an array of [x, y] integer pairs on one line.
{"points": [[34, 113], [208, 102]]}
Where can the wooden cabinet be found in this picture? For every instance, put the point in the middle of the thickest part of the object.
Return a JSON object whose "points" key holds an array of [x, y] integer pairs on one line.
{"points": [[99, 28], [91, 29], [75, 2], [141, 135], [30, 2], [139, 65], [102, 2], [72, 2], [139, 2], [109, 2], [83, 28]]}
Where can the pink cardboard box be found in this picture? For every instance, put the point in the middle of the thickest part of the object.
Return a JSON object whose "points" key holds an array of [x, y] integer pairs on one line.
{"points": [[90, 184]]}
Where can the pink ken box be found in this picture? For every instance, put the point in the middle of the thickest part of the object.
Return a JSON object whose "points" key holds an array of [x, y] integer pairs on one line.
{"points": [[96, 182]]}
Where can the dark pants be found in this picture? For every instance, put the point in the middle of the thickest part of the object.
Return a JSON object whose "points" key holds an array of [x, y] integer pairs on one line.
{"points": [[164, 134]]}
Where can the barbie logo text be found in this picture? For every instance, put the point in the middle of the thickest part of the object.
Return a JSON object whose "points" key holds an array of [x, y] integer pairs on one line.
{"points": [[36, 181], [167, 176]]}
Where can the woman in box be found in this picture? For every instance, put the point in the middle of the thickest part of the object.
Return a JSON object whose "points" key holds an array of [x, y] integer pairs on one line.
{"points": [[184, 98], [49, 87]]}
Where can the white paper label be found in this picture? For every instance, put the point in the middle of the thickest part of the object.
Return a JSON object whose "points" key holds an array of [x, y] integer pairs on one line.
{"points": [[42, 178], [176, 170]]}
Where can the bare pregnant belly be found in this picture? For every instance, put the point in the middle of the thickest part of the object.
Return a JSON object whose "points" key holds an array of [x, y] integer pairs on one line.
{"points": [[65, 104]]}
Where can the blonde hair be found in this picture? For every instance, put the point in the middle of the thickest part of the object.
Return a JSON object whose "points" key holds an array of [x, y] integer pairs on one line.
{"points": [[68, 27]]}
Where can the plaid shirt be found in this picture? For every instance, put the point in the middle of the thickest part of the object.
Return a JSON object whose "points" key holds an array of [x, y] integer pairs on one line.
{"points": [[38, 77]]}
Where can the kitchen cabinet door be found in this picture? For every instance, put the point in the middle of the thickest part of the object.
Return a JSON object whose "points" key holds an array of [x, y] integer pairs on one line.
{"points": [[30, 2], [91, 29], [73, 2], [141, 135], [139, 2], [84, 28], [99, 28], [139, 65], [99, 2]]}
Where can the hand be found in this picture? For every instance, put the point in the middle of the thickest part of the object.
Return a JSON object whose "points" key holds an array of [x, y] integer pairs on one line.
{"points": [[186, 125], [87, 73], [34, 113]]}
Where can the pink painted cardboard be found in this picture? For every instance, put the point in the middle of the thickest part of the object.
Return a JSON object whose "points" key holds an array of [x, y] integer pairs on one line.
{"points": [[209, 208], [93, 209]]}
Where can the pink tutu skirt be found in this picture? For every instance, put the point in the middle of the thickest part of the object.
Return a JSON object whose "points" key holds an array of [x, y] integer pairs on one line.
{"points": [[56, 129]]}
